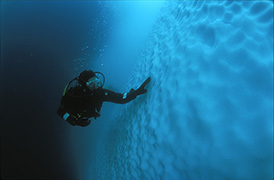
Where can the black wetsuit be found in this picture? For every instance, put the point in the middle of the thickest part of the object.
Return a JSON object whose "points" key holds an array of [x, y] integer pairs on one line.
{"points": [[79, 103], [79, 99]]}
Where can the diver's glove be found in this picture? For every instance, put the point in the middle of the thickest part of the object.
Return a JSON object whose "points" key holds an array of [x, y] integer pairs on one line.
{"points": [[141, 89], [132, 94]]}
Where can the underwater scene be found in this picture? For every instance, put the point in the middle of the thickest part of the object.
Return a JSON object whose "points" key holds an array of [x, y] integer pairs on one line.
{"points": [[207, 113]]}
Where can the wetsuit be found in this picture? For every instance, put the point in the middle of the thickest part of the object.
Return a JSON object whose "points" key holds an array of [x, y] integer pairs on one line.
{"points": [[79, 104]]}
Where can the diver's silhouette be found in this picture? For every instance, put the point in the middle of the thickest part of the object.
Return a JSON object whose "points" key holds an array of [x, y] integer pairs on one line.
{"points": [[83, 102]]}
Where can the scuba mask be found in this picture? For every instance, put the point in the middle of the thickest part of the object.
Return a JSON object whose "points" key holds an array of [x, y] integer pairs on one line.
{"points": [[94, 83]]}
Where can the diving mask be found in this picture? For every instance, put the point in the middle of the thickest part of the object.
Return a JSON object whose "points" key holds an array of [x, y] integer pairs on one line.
{"points": [[94, 83]]}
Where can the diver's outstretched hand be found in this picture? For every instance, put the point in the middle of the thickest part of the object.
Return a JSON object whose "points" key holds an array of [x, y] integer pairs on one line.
{"points": [[141, 89]]}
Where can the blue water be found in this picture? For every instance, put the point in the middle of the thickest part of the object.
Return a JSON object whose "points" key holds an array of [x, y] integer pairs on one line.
{"points": [[209, 110], [208, 113]]}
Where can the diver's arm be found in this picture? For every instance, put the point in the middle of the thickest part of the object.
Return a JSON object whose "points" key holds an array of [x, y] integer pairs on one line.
{"points": [[119, 98]]}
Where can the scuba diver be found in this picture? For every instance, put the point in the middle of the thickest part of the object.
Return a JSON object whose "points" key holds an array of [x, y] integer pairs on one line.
{"points": [[83, 101]]}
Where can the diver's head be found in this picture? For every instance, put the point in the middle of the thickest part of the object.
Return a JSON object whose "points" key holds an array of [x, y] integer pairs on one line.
{"points": [[86, 75], [90, 80]]}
